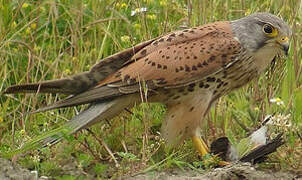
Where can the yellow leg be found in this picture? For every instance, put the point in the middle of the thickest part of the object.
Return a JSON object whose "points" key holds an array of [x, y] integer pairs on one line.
{"points": [[200, 145], [203, 149]]}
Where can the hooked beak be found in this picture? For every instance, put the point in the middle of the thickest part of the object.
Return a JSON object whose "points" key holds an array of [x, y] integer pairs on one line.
{"points": [[285, 48], [284, 42]]}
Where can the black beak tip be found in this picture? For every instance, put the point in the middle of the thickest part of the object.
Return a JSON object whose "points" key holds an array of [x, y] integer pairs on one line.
{"points": [[286, 49]]}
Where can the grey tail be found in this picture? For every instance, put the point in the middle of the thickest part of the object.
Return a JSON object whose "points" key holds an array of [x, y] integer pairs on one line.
{"points": [[98, 94], [71, 85], [93, 114]]}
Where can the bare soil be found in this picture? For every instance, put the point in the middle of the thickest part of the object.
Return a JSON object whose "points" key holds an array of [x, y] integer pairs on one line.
{"points": [[234, 171], [9, 170]]}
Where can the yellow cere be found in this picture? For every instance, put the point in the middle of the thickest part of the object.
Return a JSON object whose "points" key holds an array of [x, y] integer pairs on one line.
{"points": [[283, 39], [274, 33]]}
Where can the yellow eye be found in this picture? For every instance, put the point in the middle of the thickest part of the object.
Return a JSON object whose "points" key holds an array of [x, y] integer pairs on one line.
{"points": [[270, 31]]}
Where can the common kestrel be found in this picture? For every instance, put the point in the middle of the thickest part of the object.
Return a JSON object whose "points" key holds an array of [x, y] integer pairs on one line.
{"points": [[186, 70]]}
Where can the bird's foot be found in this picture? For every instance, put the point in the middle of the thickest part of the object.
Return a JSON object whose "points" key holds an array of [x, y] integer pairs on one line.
{"points": [[203, 149]]}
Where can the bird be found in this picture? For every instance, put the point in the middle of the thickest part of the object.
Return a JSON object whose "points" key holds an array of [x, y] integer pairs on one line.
{"points": [[254, 148], [224, 149], [186, 70]]}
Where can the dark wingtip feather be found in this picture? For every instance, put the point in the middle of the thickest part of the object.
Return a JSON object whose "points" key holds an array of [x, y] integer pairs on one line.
{"points": [[258, 154], [63, 86], [70, 85], [24, 88]]}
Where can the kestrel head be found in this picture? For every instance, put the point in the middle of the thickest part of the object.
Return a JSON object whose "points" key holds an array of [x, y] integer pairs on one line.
{"points": [[262, 31]]}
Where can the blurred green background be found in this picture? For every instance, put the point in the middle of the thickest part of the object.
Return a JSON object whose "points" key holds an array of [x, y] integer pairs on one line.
{"points": [[42, 40]]}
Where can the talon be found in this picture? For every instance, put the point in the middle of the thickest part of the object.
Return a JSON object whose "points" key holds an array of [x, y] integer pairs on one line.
{"points": [[203, 149], [200, 145], [223, 163]]}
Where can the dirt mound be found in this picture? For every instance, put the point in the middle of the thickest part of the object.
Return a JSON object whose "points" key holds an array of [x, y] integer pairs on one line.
{"points": [[234, 171], [9, 171]]}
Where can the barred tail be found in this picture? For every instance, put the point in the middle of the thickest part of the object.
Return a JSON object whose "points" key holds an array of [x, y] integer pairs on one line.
{"points": [[71, 85]]}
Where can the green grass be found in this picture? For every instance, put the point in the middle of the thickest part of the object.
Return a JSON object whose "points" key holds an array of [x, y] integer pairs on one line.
{"points": [[41, 40]]}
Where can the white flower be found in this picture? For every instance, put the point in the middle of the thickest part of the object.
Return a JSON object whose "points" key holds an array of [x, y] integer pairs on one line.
{"points": [[138, 10], [36, 158], [278, 101], [282, 120], [125, 38]]}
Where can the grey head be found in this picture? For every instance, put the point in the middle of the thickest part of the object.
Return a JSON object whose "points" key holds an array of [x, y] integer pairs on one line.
{"points": [[262, 29]]}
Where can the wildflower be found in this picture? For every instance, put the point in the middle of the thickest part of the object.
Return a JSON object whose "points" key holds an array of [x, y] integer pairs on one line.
{"points": [[80, 165], [151, 16], [247, 12], [14, 24], [138, 10], [27, 31], [67, 71], [282, 120], [137, 26], [37, 48], [42, 9], [22, 132], [278, 101], [25, 5], [124, 5], [36, 158], [125, 38], [163, 3], [117, 5], [33, 26]]}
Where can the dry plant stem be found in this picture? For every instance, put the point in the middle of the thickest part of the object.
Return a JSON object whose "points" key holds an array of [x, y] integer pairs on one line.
{"points": [[189, 6], [101, 141], [87, 146], [211, 125], [100, 21], [246, 129], [124, 146]]}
